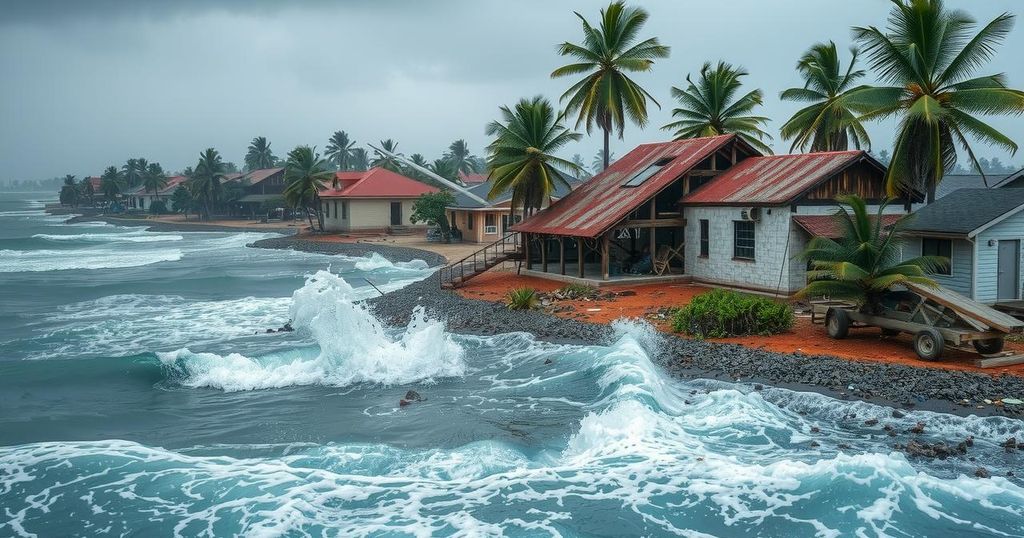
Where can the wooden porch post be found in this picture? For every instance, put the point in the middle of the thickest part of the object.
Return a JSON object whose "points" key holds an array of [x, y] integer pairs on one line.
{"points": [[561, 255], [654, 215], [544, 253], [604, 255], [526, 251], [579, 250]]}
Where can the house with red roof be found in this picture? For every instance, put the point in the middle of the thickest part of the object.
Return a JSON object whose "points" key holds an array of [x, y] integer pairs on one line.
{"points": [[375, 200], [710, 210], [140, 198]]}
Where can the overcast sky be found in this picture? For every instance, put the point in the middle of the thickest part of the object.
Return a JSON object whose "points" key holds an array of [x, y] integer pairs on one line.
{"points": [[89, 84]]}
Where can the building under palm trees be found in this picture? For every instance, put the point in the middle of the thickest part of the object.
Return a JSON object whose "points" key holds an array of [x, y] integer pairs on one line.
{"points": [[375, 200], [140, 198], [711, 210], [478, 222]]}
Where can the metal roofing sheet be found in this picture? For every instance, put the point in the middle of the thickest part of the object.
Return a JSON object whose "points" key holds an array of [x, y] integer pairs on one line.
{"points": [[773, 179], [377, 183], [826, 225], [601, 202]]}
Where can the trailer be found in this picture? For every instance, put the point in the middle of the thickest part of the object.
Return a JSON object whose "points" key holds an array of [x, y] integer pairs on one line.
{"points": [[937, 318]]}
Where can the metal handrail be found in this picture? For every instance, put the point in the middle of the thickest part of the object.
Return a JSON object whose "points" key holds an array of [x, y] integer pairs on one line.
{"points": [[510, 243]]}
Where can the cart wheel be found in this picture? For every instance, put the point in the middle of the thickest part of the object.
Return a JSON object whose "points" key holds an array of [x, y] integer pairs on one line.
{"points": [[890, 332], [928, 344], [990, 346], [837, 323]]}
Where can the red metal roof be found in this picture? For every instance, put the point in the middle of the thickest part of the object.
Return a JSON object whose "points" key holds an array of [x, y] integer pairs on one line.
{"points": [[826, 225], [472, 179], [602, 201], [772, 179], [376, 183], [256, 176]]}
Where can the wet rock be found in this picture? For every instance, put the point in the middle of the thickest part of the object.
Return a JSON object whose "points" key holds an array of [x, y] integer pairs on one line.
{"points": [[286, 328], [814, 444], [843, 446], [410, 397], [871, 422], [940, 450], [917, 428], [896, 413], [982, 472], [1010, 444], [548, 361], [815, 429], [268, 331]]}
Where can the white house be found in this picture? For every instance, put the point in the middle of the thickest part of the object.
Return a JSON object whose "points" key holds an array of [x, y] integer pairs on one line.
{"points": [[375, 200], [980, 231]]}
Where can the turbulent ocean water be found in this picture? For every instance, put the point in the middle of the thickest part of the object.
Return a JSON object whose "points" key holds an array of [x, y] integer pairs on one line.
{"points": [[140, 395]]}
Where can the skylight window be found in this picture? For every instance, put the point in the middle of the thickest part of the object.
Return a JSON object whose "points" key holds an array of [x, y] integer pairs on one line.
{"points": [[640, 177]]}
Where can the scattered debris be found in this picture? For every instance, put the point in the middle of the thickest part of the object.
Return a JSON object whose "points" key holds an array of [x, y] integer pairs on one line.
{"points": [[410, 397], [917, 428], [982, 472]]}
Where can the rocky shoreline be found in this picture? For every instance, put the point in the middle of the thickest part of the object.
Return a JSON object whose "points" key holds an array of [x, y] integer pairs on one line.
{"points": [[896, 385]]}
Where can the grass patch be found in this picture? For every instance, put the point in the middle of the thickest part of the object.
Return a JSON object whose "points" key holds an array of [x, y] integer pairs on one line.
{"points": [[723, 313]]}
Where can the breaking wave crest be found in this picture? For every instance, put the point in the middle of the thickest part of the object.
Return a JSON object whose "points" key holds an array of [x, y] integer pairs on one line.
{"points": [[136, 236], [17, 261], [353, 345]]}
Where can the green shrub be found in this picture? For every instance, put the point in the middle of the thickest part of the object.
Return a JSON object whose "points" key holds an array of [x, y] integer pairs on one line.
{"points": [[158, 207], [721, 313], [522, 299]]}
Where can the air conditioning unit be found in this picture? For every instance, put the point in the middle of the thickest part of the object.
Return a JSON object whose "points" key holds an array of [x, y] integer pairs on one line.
{"points": [[751, 214]]}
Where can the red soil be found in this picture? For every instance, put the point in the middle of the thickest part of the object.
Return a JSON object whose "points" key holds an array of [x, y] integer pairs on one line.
{"points": [[810, 339]]}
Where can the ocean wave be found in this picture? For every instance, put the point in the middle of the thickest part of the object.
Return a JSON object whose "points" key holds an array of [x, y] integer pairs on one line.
{"points": [[375, 261], [353, 345], [140, 236], [17, 261]]}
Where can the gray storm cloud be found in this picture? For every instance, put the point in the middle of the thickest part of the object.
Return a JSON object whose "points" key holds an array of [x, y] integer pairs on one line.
{"points": [[89, 84]]}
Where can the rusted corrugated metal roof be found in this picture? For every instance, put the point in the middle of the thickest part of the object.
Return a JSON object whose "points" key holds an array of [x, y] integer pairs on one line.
{"points": [[773, 179], [602, 201], [826, 225]]}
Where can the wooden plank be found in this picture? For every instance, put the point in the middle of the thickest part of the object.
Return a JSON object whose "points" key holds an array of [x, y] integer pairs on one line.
{"points": [[993, 362], [968, 308], [655, 223]]}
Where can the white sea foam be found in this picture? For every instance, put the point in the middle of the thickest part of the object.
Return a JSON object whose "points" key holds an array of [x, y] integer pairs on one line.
{"points": [[137, 236], [375, 261], [354, 348], [17, 261]]}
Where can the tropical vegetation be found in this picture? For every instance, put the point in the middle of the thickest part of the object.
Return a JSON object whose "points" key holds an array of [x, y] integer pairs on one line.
{"points": [[259, 156], [306, 174], [431, 208], [339, 150], [713, 105], [69, 192], [522, 299], [154, 179], [866, 260], [389, 160], [522, 158], [929, 56], [827, 122], [112, 183], [722, 313], [206, 181], [606, 96]]}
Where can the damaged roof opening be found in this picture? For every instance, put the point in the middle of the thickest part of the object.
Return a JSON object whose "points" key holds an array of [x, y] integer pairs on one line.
{"points": [[647, 173]]}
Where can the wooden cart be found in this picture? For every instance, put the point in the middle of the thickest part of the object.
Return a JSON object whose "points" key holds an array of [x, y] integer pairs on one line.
{"points": [[937, 318]]}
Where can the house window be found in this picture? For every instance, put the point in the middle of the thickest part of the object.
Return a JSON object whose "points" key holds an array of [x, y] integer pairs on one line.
{"points": [[743, 240], [335, 209], [705, 240], [344, 209], [470, 217], [640, 177], [931, 246], [490, 224]]}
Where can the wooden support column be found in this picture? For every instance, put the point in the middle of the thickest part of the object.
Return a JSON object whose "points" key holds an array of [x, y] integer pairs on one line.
{"points": [[526, 251], [654, 217], [544, 253], [604, 255], [561, 255], [579, 250]]}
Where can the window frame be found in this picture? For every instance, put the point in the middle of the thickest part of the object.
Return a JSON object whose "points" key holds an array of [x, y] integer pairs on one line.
{"points": [[736, 224], [938, 241], [647, 173], [704, 238]]}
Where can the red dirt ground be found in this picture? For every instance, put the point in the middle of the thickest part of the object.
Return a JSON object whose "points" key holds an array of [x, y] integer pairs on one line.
{"points": [[810, 339]]}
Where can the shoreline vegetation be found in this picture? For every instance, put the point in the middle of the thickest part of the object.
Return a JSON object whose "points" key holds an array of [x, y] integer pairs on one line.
{"points": [[896, 385]]}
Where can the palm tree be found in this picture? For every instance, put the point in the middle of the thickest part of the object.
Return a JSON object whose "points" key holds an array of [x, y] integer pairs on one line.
{"points": [[182, 201], [306, 175], [866, 261], [85, 187], [112, 182], [827, 123], [385, 161], [69, 194], [132, 173], [360, 159], [154, 180], [606, 96], [709, 107], [205, 183], [522, 155], [578, 161], [601, 161], [459, 155], [259, 154], [445, 168], [339, 150], [929, 57]]}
